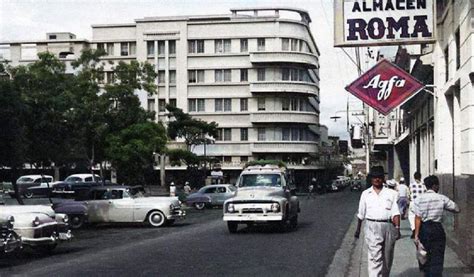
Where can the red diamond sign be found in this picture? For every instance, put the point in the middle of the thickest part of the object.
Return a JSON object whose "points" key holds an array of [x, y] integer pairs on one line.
{"points": [[384, 86]]}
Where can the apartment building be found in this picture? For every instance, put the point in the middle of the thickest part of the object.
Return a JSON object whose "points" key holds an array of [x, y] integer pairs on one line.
{"points": [[254, 71]]}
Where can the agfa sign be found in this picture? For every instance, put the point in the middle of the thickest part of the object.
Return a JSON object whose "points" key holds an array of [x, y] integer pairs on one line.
{"points": [[384, 86], [383, 22]]}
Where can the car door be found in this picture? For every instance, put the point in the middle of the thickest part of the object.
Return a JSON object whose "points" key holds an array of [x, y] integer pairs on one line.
{"points": [[98, 206], [120, 206], [211, 192], [221, 193]]}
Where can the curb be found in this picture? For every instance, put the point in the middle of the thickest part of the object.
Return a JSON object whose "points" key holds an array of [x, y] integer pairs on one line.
{"points": [[346, 261]]}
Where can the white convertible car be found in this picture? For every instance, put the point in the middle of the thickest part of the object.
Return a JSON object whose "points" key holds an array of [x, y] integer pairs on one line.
{"points": [[119, 204]]}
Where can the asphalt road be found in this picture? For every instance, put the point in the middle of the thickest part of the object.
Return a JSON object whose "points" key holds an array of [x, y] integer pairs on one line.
{"points": [[199, 246]]}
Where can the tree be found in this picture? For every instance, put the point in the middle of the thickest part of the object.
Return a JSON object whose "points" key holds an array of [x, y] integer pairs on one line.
{"points": [[131, 149]]}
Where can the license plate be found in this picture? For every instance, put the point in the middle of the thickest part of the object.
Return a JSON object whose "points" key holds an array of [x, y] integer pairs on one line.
{"points": [[251, 216]]}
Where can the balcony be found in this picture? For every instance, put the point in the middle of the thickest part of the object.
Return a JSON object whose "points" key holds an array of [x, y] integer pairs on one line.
{"points": [[305, 147], [284, 117], [285, 87], [302, 58]]}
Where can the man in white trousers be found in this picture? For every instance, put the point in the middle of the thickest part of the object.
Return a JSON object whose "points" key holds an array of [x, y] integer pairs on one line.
{"points": [[378, 207]]}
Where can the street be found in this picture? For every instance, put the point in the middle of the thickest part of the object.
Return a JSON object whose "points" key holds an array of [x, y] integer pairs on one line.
{"points": [[200, 246]]}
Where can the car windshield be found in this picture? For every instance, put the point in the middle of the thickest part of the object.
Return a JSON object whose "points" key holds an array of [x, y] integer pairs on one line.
{"points": [[25, 180], [255, 180]]}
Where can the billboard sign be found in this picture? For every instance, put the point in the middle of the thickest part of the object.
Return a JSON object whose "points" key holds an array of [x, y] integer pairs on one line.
{"points": [[383, 22], [384, 87]]}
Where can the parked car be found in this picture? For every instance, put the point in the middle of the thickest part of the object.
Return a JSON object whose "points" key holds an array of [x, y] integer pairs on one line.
{"points": [[38, 225], [27, 181], [10, 241], [6, 187], [77, 184], [75, 210], [118, 204], [212, 195]]}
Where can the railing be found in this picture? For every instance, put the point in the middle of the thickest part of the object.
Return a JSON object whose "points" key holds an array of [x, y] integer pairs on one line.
{"points": [[284, 117], [307, 59], [285, 87]]}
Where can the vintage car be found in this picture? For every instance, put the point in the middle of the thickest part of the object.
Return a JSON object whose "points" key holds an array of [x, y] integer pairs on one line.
{"points": [[75, 210], [6, 187], [77, 185], [38, 225], [28, 181], [264, 195], [209, 196], [119, 204], [10, 241]]}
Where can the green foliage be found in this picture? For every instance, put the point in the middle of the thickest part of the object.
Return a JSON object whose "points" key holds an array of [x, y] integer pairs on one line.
{"points": [[179, 156], [265, 162], [131, 149], [194, 131]]}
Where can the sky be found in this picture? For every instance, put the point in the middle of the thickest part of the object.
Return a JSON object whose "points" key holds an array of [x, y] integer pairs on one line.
{"points": [[32, 19]]}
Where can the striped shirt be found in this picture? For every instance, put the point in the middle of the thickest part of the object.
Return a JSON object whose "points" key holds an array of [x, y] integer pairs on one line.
{"points": [[430, 206], [416, 189]]}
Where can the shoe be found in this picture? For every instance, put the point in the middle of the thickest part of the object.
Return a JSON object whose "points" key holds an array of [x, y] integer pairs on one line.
{"points": [[412, 235]]}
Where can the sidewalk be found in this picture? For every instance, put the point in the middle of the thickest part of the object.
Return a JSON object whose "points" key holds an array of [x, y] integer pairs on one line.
{"points": [[351, 258]]}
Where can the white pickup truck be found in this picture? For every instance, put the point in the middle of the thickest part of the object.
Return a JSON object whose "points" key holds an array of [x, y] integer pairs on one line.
{"points": [[263, 196]]}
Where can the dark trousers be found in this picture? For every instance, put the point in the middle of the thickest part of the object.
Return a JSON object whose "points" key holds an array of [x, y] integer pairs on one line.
{"points": [[433, 238]]}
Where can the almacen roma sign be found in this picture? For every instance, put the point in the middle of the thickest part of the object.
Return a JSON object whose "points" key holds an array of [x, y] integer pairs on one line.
{"points": [[383, 22]]}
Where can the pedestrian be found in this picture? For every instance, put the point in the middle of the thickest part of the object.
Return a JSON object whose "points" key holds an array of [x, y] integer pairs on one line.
{"points": [[378, 207], [416, 188], [187, 188], [311, 188], [429, 210], [172, 189], [403, 194]]}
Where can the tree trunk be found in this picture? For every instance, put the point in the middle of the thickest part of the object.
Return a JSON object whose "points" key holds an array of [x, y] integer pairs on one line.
{"points": [[14, 176], [56, 173], [102, 173], [162, 170]]}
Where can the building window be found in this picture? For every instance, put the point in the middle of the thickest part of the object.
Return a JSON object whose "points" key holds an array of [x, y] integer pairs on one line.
{"points": [[201, 105], [161, 47], [261, 103], [100, 46], [124, 49], [294, 104], [223, 75], [227, 134], [161, 76], [446, 63], [458, 49], [128, 48], [261, 44], [172, 47], [151, 105], [100, 77], [196, 46], [294, 45], [261, 134], [260, 74], [222, 46], [244, 134], [294, 74], [244, 159], [227, 105], [285, 44], [218, 104], [244, 75], [244, 105], [192, 105], [227, 159], [110, 77], [285, 134], [244, 45], [285, 104], [52, 37], [295, 134], [110, 49], [161, 105], [150, 48], [172, 76], [196, 76], [218, 135], [173, 102]]}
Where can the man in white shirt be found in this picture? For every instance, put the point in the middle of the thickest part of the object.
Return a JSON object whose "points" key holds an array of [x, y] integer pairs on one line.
{"points": [[378, 207], [172, 189], [403, 194]]}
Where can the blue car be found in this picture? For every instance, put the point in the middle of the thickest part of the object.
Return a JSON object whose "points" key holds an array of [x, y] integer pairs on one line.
{"points": [[209, 196]]}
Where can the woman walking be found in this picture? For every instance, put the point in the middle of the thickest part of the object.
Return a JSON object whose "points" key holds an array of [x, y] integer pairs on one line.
{"points": [[429, 209]]}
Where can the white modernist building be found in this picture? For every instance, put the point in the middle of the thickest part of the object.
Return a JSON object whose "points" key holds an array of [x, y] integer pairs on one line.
{"points": [[254, 71]]}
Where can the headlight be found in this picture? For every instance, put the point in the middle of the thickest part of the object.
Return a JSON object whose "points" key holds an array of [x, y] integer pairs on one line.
{"points": [[66, 218], [171, 207], [230, 208], [36, 222], [275, 207]]}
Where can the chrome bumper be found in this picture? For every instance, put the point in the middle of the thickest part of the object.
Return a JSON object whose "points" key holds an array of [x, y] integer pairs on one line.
{"points": [[253, 217], [180, 214], [48, 240]]}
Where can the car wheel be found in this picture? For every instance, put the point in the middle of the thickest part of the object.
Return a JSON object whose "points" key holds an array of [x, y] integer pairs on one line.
{"points": [[28, 195], [156, 219], [199, 206], [76, 221], [232, 226]]}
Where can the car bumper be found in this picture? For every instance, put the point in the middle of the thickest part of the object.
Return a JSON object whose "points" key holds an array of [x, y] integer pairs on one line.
{"points": [[10, 243], [253, 217], [48, 240], [177, 215]]}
